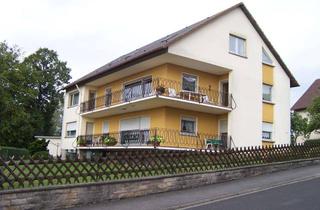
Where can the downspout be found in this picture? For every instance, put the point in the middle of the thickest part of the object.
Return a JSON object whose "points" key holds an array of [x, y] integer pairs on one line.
{"points": [[79, 117]]}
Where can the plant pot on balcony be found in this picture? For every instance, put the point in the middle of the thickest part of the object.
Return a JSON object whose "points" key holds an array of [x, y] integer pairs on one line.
{"points": [[160, 90], [155, 140], [81, 142], [110, 141]]}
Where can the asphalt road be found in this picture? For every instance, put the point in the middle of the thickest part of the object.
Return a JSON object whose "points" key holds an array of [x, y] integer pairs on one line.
{"points": [[291, 189], [302, 195]]}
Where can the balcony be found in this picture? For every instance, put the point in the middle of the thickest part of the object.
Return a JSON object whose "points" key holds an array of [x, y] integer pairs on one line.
{"points": [[141, 138], [159, 92]]}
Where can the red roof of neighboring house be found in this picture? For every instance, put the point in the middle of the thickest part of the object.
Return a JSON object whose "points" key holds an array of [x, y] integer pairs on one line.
{"points": [[306, 99], [160, 46]]}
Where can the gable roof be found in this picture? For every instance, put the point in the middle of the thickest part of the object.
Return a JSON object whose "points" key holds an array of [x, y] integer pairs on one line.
{"points": [[161, 46], [306, 99]]}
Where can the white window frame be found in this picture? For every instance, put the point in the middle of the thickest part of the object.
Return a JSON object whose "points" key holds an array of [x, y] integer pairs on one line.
{"points": [[265, 54], [75, 129], [196, 85], [267, 128], [189, 118], [269, 86], [237, 44], [71, 98]]}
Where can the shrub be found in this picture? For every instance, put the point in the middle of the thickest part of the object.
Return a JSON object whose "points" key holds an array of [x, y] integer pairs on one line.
{"points": [[110, 141], [41, 155], [313, 142], [8, 152], [38, 145]]}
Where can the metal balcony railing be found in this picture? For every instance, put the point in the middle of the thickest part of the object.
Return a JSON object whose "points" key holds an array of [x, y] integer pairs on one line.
{"points": [[169, 138], [158, 86]]}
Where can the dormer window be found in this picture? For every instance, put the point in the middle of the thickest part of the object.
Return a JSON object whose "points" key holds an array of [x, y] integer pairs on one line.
{"points": [[265, 57]]}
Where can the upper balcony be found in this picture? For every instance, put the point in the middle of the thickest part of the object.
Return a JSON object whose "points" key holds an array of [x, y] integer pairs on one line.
{"points": [[151, 93]]}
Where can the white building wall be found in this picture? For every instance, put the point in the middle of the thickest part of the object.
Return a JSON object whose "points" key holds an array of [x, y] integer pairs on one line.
{"points": [[72, 114], [281, 99], [211, 44]]}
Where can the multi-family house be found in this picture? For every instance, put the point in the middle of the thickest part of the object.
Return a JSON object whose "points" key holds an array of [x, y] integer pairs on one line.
{"points": [[218, 82], [302, 105]]}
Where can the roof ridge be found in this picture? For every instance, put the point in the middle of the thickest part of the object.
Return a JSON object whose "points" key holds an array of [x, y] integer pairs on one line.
{"points": [[161, 45]]}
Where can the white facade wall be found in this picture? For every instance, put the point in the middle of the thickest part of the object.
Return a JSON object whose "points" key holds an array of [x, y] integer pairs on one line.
{"points": [[211, 44]]}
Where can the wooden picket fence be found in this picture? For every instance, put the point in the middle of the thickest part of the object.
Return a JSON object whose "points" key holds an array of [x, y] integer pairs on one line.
{"points": [[136, 163]]}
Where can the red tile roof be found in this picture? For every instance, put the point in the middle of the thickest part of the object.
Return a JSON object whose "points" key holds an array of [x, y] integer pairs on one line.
{"points": [[306, 99]]}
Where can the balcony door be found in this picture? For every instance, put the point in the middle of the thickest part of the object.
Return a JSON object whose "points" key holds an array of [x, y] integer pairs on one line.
{"points": [[108, 97], [135, 131], [92, 100], [224, 91], [223, 131], [89, 132], [138, 89]]}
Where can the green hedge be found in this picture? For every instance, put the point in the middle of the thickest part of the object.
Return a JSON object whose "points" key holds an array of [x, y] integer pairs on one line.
{"points": [[41, 155], [7, 152], [312, 142]]}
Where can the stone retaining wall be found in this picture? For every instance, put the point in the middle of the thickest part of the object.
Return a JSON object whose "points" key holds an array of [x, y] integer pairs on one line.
{"points": [[60, 197]]}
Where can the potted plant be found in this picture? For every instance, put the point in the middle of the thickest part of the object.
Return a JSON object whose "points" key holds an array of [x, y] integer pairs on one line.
{"points": [[110, 141], [81, 141], [160, 90], [156, 140]]}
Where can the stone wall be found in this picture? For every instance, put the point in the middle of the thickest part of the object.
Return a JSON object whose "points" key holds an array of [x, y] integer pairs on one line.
{"points": [[60, 197]]}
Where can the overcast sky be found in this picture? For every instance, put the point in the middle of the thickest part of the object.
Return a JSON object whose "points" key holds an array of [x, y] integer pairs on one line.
{"points": [[89, 33]]}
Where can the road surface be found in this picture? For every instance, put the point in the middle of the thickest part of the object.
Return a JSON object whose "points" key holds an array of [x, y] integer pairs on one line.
{"points": [[292, 189]]}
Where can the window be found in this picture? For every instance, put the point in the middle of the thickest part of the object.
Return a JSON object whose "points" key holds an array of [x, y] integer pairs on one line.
{"points": [[188, 125], [108, 97], [267, 130], [74, 99], [267, 92], [237, 45], [265, 57], [189, 82], [71, 129], [138, 89]]}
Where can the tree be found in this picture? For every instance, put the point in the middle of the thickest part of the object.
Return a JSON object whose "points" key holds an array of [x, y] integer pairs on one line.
{"points": [[299, 127], [30, 94], [314, 112], [49, 74], [15, 127]]}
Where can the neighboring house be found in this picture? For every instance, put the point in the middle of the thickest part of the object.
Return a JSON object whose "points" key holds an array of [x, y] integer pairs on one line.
{"points": [[304, 102], [218, 79], [54, 145]]}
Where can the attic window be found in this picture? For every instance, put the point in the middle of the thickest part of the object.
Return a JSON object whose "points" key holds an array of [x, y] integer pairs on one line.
{"points": [[237, 45], [265, 57]]}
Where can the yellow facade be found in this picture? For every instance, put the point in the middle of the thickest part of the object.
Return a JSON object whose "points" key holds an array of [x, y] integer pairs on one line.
{"points": [[267, 74], [267, 114], [165, 117], [170, 72], [267, 143], [167, 123], [167, 120]]}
